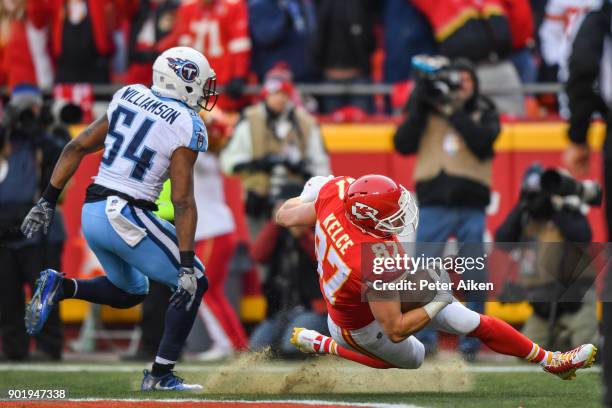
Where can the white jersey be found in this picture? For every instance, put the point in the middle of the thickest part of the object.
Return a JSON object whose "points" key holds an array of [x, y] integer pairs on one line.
{"points": [[144, 130]]}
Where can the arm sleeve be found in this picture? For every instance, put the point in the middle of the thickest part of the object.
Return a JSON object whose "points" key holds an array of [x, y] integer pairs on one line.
{"points": [[267, 22], [408, 135], [318, 159], [584, 68], [573, 225], [510, 230], [479, 137], [239, 42], [239, 149]]}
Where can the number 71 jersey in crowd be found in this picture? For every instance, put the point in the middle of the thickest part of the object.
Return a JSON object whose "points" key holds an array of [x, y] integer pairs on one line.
{"points": [[338, 247], [144, 130]]}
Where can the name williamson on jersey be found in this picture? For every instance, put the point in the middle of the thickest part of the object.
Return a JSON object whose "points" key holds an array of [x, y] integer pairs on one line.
{"points": [[152, 105]]}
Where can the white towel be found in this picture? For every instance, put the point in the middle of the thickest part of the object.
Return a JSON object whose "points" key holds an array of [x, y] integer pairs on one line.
{"points": [[130, 233]]}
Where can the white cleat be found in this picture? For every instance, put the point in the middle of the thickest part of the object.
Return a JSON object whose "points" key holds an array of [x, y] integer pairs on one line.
{"points": [[311, 341], [565, 365]]}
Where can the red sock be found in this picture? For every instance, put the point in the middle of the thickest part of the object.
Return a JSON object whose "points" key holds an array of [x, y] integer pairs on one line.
{"points": [[361, 358], [499, 336], [329, 346]]}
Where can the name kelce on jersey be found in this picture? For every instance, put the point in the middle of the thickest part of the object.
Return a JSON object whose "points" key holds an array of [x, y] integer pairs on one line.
{"points": [[336, 232], [152, 105]]}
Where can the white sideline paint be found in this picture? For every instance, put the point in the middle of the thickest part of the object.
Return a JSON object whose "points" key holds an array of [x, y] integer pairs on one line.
{"points": [[107, 368], [269, 402]]}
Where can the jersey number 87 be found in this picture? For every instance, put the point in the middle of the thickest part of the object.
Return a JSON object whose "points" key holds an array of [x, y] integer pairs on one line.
{"points": [[340, 272]]}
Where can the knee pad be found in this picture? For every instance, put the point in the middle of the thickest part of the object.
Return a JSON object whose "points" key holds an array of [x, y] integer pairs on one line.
{"points": [[419, 353], [412, 355], [414, 359]]}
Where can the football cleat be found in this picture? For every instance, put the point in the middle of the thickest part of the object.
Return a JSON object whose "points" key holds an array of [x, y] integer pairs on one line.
{"points": [[47, 294], [311, 341], [564, 365], [167, 382]]}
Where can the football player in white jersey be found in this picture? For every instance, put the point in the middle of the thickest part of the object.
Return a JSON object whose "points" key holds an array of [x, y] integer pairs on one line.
{"points": [[147, 135]]}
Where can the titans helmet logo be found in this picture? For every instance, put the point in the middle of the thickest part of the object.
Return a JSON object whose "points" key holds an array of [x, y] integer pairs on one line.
{"points": [[187, 70]]}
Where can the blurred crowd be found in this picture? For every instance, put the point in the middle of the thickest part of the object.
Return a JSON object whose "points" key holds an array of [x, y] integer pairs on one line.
{"points": [[58, 42]]}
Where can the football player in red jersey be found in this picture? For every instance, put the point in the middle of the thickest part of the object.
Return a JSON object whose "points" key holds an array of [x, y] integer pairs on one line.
{"points": [[371, 210], [220, 30]]}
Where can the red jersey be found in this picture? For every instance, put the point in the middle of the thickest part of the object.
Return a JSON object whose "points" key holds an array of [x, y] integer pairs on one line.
{"points": [[338, 246], [219, 30]]}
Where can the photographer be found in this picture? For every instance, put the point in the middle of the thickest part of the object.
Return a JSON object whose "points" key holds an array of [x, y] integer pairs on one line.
{"points": [[451, 128], [274, 136], [291, 287], [555, 272], [29, 154]]}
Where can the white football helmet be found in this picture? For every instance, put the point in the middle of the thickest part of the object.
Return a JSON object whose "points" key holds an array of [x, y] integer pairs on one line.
{"points": [[184, 74]]}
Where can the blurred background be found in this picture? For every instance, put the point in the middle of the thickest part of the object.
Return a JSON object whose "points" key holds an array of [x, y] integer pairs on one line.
{"points": [[466, 102]]}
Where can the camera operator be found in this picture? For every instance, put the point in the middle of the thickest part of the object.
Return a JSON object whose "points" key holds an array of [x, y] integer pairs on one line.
{"points": [[451, 128], [29, 154], [555, 272], [291, 287], [276, 136]]}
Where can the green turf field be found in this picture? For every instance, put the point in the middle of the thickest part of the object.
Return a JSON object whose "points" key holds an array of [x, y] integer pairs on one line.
{"points": [[484, 389]]}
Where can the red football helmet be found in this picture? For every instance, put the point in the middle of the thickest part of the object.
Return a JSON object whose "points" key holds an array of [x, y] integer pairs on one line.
{"points": [[380, 207]]}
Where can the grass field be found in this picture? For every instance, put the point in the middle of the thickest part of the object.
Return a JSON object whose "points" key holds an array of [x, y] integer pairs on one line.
{"points": [[318, 382]]}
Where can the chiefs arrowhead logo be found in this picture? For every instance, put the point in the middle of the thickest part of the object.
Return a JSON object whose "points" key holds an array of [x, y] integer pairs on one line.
{"points": [[363, 212]]}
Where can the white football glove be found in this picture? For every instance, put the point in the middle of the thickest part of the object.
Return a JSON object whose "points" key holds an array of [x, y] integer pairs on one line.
{"points": [[184, 295], [312, 187], [443, 297]]}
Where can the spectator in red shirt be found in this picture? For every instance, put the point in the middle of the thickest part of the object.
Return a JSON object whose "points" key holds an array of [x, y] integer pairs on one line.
{"points": [[478, 30], [23, 33], [219, 29]]}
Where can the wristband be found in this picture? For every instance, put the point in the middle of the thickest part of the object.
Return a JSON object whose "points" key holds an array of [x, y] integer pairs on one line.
{"points": [[51, 194], [433, 308], [187, 258]]}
